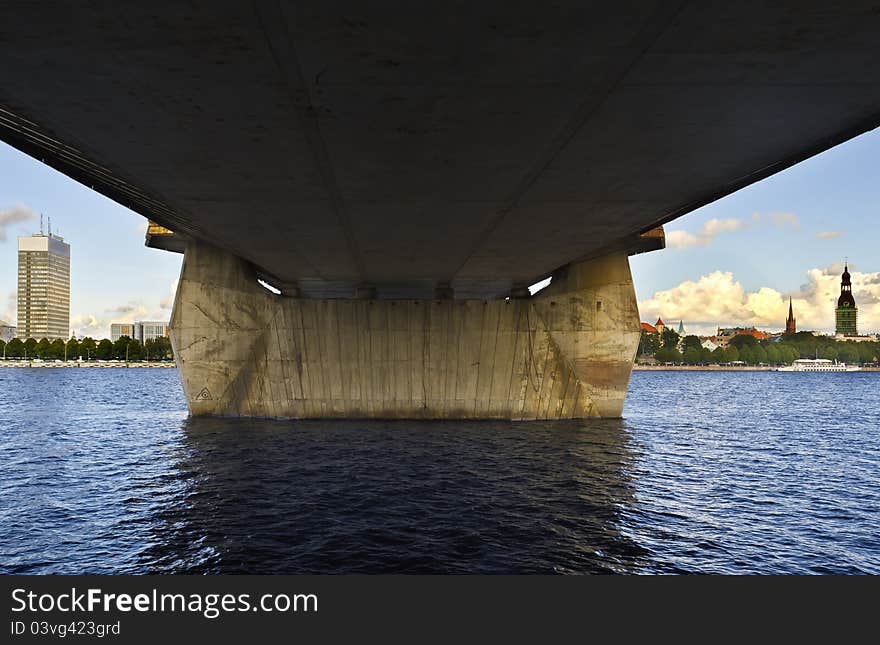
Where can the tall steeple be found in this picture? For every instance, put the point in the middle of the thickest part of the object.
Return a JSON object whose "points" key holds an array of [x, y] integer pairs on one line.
{"points": [[791, 323], [846, 299], [846, 314]]}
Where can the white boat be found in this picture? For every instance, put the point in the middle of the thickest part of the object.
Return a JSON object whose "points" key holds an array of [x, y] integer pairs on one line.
{"points": [[818, 365]]}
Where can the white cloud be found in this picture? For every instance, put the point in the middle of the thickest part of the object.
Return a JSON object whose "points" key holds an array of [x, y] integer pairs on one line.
{"points": [[13, 216], [785, 219], [718, 299], [829, 235], [682, 239], [715, 226], [128, 312], [89, 325], [679, 239], [10, 308], [168, 301], [97, 325]]}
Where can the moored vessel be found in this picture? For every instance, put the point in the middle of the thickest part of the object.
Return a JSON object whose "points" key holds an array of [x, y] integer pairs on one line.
{"points": [[818, 365]]}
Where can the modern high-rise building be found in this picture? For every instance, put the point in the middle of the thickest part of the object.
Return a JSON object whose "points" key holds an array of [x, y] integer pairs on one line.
{"points": [[43, 287], [846, 314]]}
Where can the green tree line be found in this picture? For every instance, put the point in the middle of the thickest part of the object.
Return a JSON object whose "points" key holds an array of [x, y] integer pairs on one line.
{"points": [[671, 348], [88, 349]]}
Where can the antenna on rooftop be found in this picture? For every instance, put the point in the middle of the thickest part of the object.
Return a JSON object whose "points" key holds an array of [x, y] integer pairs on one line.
{"points": [[41, 223], [50, 227]]}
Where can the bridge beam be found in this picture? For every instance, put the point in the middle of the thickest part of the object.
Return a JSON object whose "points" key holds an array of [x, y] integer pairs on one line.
{"points": [[566, 352]]}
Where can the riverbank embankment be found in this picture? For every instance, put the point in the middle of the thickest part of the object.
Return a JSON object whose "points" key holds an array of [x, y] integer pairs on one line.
{"points": [[717, 368], [87, 364]]}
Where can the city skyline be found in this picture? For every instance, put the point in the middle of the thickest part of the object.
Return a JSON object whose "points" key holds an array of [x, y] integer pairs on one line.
{"points": [[736, 261]]}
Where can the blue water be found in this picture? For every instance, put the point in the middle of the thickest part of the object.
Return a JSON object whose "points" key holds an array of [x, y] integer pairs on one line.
{"points": [[710, 472]]}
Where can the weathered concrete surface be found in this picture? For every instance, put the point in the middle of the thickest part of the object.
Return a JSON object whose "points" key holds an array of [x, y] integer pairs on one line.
{"points": [[564, 353], [411, 145]]}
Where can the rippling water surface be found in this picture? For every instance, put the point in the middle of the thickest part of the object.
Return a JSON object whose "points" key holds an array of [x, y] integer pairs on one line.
{"points": [[712, 472]]}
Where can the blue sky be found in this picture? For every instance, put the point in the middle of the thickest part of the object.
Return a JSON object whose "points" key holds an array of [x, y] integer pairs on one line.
{"points": [[836, 191], [733, 262], [785, 236], [113, 276]]}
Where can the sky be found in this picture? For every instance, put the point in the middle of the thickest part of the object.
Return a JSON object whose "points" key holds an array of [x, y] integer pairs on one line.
{"points": [[734, 262], [113, 276]]}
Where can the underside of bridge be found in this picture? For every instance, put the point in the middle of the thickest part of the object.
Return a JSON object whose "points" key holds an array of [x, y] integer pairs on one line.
{"points": [[399, 170]]}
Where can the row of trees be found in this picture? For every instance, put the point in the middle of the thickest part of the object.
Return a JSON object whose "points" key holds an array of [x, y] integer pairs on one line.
{"points": [[671, 348], [88, 348]]}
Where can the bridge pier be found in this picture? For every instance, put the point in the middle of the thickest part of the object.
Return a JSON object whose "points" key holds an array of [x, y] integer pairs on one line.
{"points": [[566, 352]]}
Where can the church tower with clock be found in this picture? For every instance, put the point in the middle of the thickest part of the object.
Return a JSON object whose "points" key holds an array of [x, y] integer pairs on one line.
{"points": [[846, 317]]}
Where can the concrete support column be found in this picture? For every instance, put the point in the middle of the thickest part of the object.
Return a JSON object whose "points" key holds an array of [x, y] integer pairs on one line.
{"points": [[591, 314], [564, 353]]}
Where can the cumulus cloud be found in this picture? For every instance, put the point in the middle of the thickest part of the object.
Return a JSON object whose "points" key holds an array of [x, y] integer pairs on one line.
{"points": [[126, 313], [97, 325], [783, 220], [89, 325], [679, 239], [12, 216], [718, 299], [829, 235], [10, 307], [168, 301]]}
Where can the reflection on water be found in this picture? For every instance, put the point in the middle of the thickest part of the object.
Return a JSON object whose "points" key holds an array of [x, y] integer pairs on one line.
{"points": [[102, 472], [352, 497]]}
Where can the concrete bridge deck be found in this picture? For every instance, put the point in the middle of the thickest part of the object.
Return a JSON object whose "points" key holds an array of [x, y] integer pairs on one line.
{"points": [[395, 150]]}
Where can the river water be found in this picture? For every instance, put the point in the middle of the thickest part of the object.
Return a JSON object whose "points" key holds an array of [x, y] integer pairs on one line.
{"points": [[101, 471]]}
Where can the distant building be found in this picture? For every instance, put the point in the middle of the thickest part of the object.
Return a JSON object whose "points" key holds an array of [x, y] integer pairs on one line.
{"points": [[757, 334], [681, 331], [43, 287], [118, 330], [648, 328], [139, 330], [790, 323], [846, 314], [860, 339], [710, 345], [7, 331], [660, 326], [151, 330], [726, 334]]}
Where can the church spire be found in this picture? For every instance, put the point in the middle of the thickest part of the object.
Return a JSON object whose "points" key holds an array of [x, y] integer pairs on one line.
{"points": [[790, 323]]}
